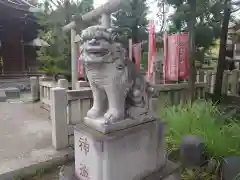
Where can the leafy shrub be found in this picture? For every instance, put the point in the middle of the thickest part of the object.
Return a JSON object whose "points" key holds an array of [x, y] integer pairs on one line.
{"points": [[144, 60], [55, 59], [222, 138]]}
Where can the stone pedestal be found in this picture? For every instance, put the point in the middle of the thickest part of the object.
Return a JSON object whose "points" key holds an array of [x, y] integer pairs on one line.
{"points": [[170, 171], [136, 153], [129, 154]]}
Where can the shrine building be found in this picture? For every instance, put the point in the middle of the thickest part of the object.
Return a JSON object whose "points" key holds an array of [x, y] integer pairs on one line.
{"points": [[18, 28]]}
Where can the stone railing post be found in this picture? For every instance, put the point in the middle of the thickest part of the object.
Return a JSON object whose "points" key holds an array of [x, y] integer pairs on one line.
{"points": [[81, 84], [35, 87], [42, 90], [225, 82], [158, 68], [209, 75], [59, 118], [63, 83], [40, 87], [235, 82]]}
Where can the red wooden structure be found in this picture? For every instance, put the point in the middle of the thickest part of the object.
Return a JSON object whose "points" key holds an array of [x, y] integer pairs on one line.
{"points": [[151, 49], [176, 57], [17, 27]]}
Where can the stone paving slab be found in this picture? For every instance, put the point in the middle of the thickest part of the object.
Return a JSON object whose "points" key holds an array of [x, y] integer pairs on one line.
{"points": [[22, 130], [39, 159], [25, 138]]}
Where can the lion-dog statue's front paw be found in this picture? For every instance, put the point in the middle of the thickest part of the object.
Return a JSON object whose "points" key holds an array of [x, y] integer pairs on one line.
{"points": [[94, 113], [113, 115]]}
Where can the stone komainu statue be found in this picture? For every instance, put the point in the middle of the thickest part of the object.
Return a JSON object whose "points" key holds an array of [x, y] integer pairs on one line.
{"points": [[119, 92]]}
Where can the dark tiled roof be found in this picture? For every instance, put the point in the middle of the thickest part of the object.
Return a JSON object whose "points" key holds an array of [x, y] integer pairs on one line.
{"points": [[16, 4]]}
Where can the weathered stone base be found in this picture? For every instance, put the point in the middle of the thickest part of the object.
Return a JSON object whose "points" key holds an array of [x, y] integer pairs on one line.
{"points": [[129, 154], [99, 124], [170, 171]]}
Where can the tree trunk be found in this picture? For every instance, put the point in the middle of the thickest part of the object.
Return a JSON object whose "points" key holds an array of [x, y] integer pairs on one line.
{"points": [[135, 36], [68, 18], [192, 52], [222, 53]]}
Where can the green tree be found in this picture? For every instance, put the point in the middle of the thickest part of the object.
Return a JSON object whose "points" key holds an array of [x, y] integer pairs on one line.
{"points": [[222, 52], [131, 22], [56, 59], [229, 9]]}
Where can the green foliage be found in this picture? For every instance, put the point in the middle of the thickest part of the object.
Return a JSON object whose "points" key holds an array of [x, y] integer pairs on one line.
{"points": [[214, 50], [208, 22], [56, 59], [198, 173], [130, 21], [144, 60], [203, 119]]}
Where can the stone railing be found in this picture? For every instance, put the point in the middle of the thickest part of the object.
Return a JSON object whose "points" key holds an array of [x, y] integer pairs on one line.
{"points": [[69, 107], [45, 86], [230, 81], [41, 88], [175, 94]]}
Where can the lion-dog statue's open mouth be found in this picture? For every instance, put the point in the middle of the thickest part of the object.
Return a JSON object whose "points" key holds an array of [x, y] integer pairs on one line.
{"points": [[97, 45]]}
